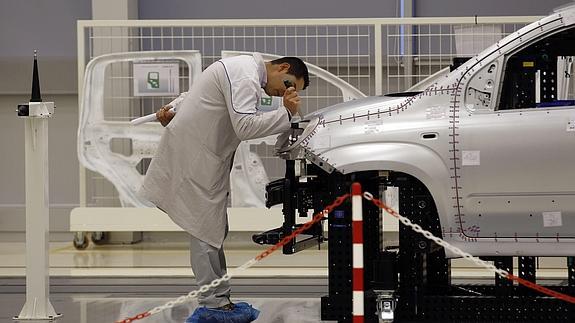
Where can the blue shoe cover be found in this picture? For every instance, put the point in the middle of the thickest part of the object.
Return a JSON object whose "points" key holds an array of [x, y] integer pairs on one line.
{"points": [[242, 313]]}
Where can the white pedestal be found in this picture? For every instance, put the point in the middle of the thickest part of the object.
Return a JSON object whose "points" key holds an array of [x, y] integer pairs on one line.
{"points": [[38, 306]]}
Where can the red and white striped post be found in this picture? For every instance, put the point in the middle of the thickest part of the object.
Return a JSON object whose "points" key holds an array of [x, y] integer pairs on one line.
{"points": [[357, 252]]}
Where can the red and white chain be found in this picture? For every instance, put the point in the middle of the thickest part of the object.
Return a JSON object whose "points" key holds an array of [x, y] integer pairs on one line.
{"points": [[320, 216], [417, 228], [216, 282]]}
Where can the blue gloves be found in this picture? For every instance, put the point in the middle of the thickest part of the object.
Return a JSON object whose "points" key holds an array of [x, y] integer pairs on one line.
{"points": [[242, 313]]}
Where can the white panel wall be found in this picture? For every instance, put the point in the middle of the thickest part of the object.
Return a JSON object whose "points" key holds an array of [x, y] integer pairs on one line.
{"points": [[50, 27], [62, 160]]}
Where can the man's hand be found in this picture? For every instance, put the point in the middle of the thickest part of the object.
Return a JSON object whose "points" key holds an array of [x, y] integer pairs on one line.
{"points": [[291, 100], [164, 115]]}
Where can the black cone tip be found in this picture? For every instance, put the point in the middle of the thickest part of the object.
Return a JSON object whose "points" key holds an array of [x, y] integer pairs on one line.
{"points": [[36, 96]]}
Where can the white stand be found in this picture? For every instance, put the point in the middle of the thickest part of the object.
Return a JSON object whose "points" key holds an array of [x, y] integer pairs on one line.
{"points": [[38, 306]]}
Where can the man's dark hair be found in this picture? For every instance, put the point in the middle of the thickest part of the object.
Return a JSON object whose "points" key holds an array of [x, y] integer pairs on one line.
{"points": [[297, 68]]}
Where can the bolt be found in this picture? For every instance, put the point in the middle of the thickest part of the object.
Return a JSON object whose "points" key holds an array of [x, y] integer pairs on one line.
{"points": [[422, 245], [421, 204]]}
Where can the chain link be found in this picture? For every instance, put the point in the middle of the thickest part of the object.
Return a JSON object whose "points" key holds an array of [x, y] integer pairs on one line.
{"points": [[417, 228], [320, 216], [368, 196], [216, 282]]}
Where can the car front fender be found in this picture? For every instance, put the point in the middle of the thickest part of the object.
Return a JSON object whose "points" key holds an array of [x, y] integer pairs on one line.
{"points": [[416, 160]]}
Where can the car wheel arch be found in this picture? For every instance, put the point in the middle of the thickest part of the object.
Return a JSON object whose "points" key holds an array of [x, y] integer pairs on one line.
{"points": [[417, 161]]}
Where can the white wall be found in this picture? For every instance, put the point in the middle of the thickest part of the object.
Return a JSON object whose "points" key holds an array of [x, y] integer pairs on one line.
{"points": [[50, 27], [214, 9], [63, 164], [448, 8]]}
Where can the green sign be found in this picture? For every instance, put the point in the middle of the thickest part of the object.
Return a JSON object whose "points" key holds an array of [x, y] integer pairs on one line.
{"points": [[154, 80], [266, 101]]}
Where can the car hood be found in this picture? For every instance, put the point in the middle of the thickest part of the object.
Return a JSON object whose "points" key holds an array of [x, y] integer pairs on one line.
{"points": [[336, 122], [356, 106]]}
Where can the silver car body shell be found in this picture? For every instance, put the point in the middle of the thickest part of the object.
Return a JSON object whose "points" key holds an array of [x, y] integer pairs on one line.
{"points": [[484, 168]]}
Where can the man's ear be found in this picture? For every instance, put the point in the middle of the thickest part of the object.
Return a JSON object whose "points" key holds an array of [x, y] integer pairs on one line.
{"points": [[284, 67]]}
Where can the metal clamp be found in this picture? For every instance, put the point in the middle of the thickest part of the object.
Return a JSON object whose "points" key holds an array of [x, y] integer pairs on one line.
{"points": [[386, 303]]}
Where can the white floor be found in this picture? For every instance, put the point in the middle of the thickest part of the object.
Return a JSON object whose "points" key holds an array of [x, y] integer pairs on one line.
{"points": [[166, 264], [171, 259], [157, 259]]}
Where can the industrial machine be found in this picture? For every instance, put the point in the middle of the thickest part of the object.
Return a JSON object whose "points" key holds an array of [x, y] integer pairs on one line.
{"points": [[483, 158]]}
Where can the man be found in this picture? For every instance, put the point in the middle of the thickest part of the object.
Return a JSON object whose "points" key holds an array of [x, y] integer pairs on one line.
{"points": [[189, 176]]}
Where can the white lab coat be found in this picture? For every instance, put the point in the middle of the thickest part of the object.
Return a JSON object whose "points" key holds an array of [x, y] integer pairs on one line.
{"points": [[189, 175]]}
